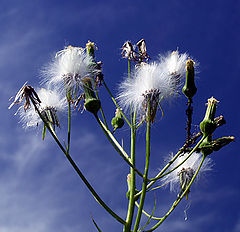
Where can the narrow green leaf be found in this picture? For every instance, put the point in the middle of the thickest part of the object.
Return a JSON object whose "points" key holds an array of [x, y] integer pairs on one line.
{"points": [[96, 225], [44, 131]]}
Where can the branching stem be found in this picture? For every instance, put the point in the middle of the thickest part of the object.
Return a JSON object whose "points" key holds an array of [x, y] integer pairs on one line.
{"points": [[175, 203], [74, 165], [160, 174]]}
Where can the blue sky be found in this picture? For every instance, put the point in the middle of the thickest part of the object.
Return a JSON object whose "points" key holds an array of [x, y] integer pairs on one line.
{"points": [[39, 190]]}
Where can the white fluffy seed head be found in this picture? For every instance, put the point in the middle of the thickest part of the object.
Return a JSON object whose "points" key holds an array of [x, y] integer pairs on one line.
{"points": [[68, 67], [163, 77], [174, 64], [146, 78], [190, 164], [49, 99]]}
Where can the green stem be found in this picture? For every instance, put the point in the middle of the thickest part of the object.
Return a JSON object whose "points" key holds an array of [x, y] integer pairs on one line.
{"points": [[131, 207], [85, 181], [117, 146], [69, 126], [101, 109], [178, 199], [190, 153], [160, 174], [148, 215], [144, 186], [116, 104]]}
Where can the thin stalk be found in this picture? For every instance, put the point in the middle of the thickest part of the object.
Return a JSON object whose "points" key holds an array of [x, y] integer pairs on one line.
{"points": [[131, 207], [190, 153], [85, 181], [178, 199], [101, 109], [189, 113], [160, 174], [117, 146], [93, 192], [116, 104], [148, 215], [69, 126], [144, 186], [140, 123]]}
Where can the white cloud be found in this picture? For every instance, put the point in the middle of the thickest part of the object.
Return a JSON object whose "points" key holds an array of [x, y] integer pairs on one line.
{"points": [[39, 188], [237, 226]]}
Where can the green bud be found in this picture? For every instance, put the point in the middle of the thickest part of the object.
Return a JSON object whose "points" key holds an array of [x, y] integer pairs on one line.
{"points": [[92, 104], [208, 124], [189, 89], [129, 186], [117, 122]]}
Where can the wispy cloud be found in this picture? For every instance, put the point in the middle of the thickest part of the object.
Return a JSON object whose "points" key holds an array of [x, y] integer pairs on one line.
{"points": [[39, 188], [237, 226]]}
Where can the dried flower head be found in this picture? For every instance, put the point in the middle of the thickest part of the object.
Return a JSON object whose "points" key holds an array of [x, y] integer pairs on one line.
{"points": [[129, 51], [51, 104], [99, 75], [26, 93], [142, 50], [182, 176]]}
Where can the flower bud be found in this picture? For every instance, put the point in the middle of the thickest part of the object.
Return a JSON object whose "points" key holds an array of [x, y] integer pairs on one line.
{"points": [[215, 145], [129, 187], [90, 46], [189, 89], [208, 124], [92, 104], [219, 121], [117, 122]]}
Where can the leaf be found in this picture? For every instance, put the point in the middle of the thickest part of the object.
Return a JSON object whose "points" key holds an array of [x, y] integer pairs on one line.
{"points": [[44, 131]]}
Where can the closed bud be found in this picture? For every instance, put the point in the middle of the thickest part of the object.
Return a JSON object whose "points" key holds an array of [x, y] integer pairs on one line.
{"points": [[92, 104], [129, 187], [215, 145], [189, 89], [90, 46], [219, 121], [117, 122], [208, 125]]}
